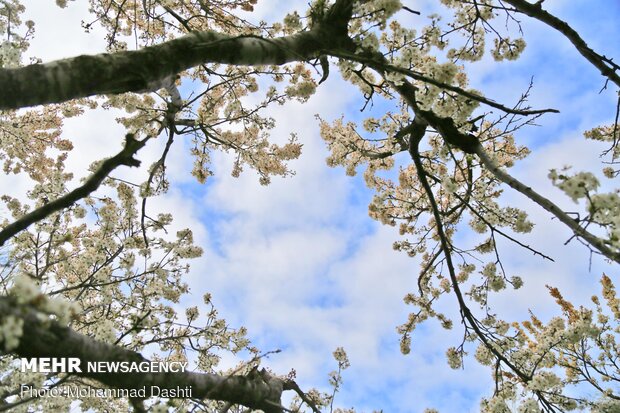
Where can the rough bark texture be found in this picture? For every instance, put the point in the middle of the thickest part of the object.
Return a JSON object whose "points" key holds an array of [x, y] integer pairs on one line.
{"points": [[147, 68], [141, 70]]}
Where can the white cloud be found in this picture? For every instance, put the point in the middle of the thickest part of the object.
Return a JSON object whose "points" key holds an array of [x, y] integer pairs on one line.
{"points": [[59, 33]]}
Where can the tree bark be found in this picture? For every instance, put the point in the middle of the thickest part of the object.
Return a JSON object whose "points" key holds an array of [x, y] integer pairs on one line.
{"points": [[148, 68], [49, 339]]}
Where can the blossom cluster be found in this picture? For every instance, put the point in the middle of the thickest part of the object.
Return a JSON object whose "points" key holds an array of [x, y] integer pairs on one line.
{"points": [[376, 11], [15, 40], [603, 209], [11, 330], [26, 291]]}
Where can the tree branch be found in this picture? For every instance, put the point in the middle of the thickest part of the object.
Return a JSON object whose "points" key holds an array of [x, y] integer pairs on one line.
{"points": [[46, 338], [577, 229], [124, 157], [466, 313], [147, 69], [380, 64], [605, 65], [470, 144]]}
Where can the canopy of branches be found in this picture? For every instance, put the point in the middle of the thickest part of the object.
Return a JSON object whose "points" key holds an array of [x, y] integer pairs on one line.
{"points": [[97, 269]]}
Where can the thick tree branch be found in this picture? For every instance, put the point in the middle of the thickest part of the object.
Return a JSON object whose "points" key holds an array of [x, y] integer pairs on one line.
{"points": [[124, 157], [147, 69], [46, 338], [444, 126], [606, 66]]}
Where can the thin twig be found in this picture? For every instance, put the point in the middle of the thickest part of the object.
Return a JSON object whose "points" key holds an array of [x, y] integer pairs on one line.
{"points": [[382, 66]]}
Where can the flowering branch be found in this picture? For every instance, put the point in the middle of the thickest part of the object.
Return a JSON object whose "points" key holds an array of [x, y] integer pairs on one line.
{"points": [[468, 143], [46, 338], [380, 64], [447, 252], [546, 203], [468, 317], [124, 157], [151, 68]]}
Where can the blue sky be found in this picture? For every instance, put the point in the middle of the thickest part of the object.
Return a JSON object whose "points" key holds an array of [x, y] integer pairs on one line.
{"points": [[303, 267]]}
